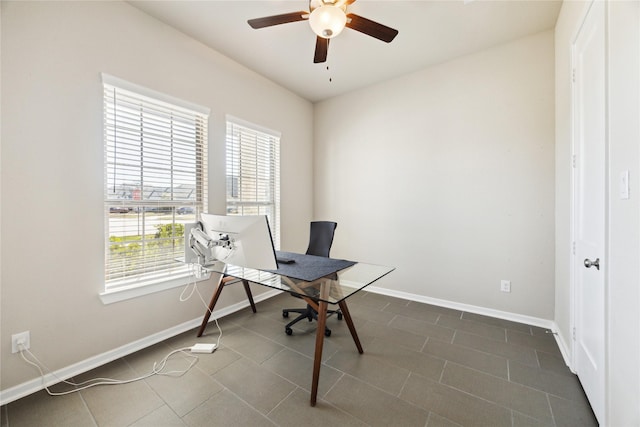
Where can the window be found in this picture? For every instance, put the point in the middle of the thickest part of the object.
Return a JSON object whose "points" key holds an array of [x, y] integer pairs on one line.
{"points": [[155, 181], [253, 173]]}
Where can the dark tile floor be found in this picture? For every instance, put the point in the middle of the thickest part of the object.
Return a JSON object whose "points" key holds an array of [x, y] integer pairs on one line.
{"points": [[423, 366]]}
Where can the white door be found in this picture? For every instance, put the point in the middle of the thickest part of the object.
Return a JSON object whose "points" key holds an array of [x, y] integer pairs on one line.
{"points": [[589, 127]]}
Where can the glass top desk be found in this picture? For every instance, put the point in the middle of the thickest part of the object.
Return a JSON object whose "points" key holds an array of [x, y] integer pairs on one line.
{"points": [[333, 288]]}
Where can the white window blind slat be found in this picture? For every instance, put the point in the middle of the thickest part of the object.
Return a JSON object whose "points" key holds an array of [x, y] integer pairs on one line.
{"points": [[155, 182]]}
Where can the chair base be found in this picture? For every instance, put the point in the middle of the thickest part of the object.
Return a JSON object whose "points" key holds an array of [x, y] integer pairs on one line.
{"points": [[307, 313]]}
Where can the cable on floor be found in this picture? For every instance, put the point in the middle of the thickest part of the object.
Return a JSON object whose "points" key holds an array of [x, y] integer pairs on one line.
{"points": [[158, 369]]}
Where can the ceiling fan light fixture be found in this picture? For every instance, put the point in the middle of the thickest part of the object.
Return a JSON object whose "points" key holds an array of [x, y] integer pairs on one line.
{"points": [[327, 21]]}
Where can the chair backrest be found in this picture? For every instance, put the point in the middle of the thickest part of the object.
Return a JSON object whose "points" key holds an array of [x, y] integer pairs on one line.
{"points": [[321, 238]]}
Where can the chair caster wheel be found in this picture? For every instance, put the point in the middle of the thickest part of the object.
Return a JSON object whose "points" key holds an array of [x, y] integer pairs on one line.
{"points": [[327, 332], [339, 316], [285, 314], [289, 331]]}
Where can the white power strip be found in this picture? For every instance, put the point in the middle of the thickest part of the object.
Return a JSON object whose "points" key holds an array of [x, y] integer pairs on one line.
{"points": [[203, 348]]}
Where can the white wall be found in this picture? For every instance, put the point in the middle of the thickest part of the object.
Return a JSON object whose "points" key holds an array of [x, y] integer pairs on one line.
{"points": [[622, 306], [448, 175], [52, 168]]}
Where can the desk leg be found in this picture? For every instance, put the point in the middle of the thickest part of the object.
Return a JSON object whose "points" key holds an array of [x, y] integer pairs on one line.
{"points": [[212, 304], [247, 289], [352, 328], [317, 358]]}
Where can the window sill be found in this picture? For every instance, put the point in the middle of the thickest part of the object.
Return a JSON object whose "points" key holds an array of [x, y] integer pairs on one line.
{"points": [[134, 291]]}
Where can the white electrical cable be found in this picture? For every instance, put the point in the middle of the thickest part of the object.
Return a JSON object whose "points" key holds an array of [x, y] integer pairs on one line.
{"points": [[157, 370], [195, 289]]}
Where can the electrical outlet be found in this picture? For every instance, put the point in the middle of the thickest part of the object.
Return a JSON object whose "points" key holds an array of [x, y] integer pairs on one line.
{"points": [[505, 285], [21, 341]]}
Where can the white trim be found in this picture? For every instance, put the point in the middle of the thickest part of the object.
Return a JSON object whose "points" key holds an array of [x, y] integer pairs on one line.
{"points": [[514, 317], [505, 315], [248, 124], [21, 390], [572, 201], [565, 349], [132, 87], [138, 290]]}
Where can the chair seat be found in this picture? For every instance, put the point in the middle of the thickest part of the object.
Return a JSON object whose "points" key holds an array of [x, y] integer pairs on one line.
{"points": [[307, 313]]}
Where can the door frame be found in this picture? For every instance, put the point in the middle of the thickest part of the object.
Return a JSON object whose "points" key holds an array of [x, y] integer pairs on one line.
{"points": [[574, 262]]}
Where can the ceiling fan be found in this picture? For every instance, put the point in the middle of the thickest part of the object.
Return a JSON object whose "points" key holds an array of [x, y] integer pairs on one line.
{"points": [[327, 19]]}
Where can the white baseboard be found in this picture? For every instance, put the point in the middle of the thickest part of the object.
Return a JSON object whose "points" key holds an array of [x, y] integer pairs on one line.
{"points": [[514, 317], [520, 318], [37, 384], [564, 348]]}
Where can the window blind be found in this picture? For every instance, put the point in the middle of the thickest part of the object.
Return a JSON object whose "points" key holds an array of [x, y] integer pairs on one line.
{"points": [[253, 173], [155, 175]]}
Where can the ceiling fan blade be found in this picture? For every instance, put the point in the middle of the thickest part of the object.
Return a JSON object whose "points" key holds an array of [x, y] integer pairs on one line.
{"points": [[371, 28], [322, 48], [285, 18]]}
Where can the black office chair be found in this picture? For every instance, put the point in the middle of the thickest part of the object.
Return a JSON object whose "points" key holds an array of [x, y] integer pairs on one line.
{"points": [[320, 240]]}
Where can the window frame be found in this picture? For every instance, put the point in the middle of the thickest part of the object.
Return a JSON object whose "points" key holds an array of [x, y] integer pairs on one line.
{"points": [[194, 143], [272, 139]]}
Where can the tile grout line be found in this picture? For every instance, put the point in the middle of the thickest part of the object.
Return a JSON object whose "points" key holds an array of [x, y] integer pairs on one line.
{"points": [[268, 414], [237, 396], [553, 416], [529, 387], [442, 372], [153, 390], [335, 383], [404, 384], [424, 345]]}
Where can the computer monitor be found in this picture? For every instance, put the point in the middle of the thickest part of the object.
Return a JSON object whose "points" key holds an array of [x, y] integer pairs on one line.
{"points": [[249, 240]]}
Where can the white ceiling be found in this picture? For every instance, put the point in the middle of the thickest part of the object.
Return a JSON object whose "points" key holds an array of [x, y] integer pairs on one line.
{"points": [[430, 32]]}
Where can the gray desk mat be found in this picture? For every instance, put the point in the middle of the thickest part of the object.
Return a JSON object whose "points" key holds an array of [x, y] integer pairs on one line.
{"points": [[309, 267]]}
